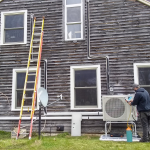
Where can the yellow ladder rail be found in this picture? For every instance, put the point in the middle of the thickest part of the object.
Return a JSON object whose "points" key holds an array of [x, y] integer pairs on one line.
{"points": [[27, 71]]}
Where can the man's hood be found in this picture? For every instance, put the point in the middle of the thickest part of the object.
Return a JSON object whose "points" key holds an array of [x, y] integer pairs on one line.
{"points": [[140, 90]]}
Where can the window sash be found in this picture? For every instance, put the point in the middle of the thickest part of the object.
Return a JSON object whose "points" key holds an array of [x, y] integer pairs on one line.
{"points": [[71, 23], [87, 87], [84, 95]]}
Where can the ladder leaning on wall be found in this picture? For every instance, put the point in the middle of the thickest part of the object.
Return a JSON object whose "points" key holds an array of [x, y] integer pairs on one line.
{"points": [[35, 51]]}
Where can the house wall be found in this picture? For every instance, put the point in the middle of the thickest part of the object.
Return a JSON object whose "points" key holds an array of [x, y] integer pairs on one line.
{"points": [[118, 28]]}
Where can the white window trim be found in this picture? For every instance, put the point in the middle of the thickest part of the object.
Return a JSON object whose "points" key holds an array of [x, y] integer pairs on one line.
{"points": [[14, 87], [25, 26], [72, 82], [74, 5], [136, 66]]}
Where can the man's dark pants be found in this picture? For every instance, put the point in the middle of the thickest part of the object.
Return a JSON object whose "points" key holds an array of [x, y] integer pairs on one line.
{"points": [[144, 116]]}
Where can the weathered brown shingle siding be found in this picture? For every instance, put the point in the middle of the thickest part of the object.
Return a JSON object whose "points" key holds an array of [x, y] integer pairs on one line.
{"points": [[118, 28]]}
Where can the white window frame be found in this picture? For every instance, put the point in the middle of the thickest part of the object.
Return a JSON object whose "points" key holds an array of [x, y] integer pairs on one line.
{"points": [[136, 74], [14, 81], [72, 85], [74, 5], [3, 23]]}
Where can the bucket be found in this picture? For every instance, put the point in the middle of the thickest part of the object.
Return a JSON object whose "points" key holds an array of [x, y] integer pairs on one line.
{"points": [[129, 134]]}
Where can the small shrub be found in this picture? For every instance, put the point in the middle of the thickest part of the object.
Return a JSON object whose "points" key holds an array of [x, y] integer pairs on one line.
{"points": [[34, 134], [5, 135]]}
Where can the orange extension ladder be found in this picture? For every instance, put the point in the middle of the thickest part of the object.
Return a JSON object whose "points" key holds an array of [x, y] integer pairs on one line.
{"points": [[36, 51]]}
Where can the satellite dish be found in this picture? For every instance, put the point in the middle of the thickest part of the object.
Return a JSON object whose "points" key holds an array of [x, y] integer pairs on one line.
{"points": [[43, 96]]}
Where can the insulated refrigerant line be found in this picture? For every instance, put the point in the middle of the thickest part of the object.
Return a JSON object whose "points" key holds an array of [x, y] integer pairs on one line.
{"points": [[89, 50]]}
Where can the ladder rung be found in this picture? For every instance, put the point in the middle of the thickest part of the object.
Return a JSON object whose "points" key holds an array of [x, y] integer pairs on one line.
{"points": [[35, 46], [37, 33], [29, 89], [31, 74], [37, 28], [24, 125], [38, 21], [35, 53], [28, 97], [36, 40], [26, 106], [33, 60], [30, 81], [25, 115]]}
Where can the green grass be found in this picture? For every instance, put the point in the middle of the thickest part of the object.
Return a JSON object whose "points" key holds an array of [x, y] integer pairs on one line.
{"points": [[66, 142]]}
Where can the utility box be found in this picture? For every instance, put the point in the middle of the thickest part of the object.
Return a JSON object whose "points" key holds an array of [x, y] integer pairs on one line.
{"points": [[76, 124]]}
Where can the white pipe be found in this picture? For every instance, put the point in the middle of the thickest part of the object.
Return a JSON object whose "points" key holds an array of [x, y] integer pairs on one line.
{"points": [[70, 113], [51, 118], [95, 117], [61, 116]]}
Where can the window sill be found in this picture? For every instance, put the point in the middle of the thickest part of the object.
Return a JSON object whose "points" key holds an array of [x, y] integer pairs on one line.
{"points": [[13, 44], [67, 40]]}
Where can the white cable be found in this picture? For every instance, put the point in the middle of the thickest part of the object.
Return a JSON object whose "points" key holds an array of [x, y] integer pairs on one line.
{"points": [[44, 125]]}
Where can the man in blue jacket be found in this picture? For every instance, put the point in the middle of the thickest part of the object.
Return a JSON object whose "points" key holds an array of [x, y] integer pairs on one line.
{"points": [[142, 100]]}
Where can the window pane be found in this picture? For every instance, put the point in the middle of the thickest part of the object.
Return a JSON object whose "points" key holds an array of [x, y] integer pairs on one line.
{"points": [[144, 76], [21, 79], [85, 97], [74, 14], [85, 78], [16, 35], [31, 85], [73, 2], [27, 102], [14, 21], [74, 31]]}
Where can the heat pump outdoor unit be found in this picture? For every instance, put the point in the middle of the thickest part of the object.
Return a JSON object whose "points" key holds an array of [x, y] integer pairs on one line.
{"points": [[115, 108]]}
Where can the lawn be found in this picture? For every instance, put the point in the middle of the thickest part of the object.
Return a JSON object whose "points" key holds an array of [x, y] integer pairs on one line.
{"points": [[66, 142]]}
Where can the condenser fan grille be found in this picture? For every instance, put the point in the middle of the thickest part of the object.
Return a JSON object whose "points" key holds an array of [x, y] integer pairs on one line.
{"points": [[114, 107]]}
